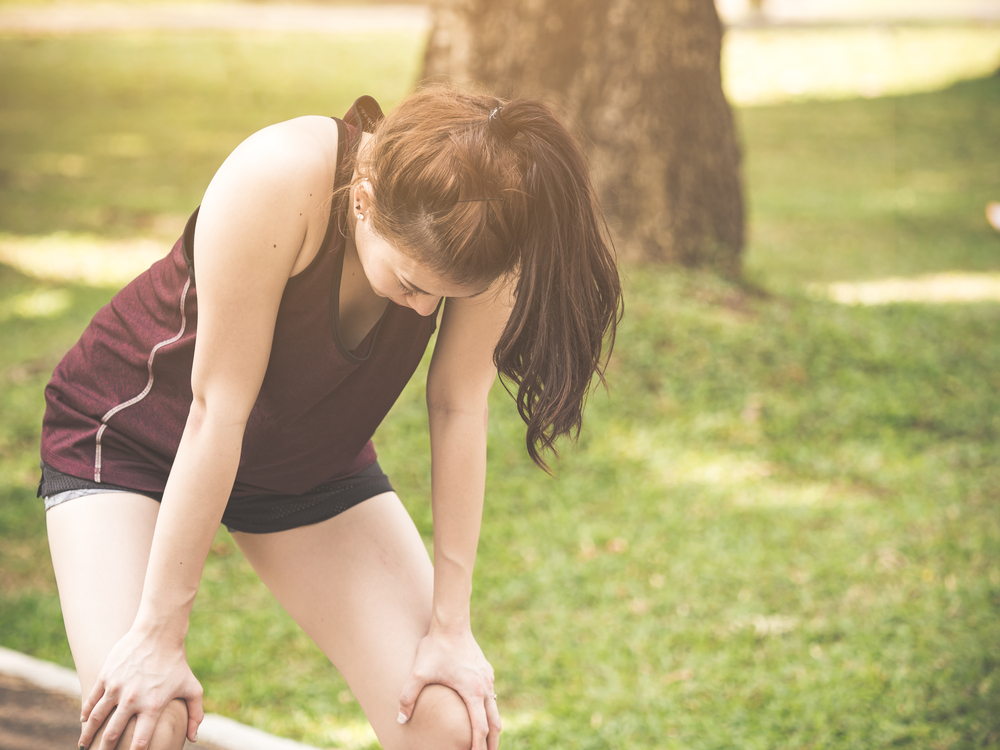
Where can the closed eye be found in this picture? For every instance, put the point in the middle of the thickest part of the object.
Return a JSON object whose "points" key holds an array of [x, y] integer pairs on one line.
{"points": [[407, 292]]}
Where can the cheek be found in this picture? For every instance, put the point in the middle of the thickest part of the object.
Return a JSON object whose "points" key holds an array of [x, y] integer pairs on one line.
{"points": [[371, 265], [380, 278]]}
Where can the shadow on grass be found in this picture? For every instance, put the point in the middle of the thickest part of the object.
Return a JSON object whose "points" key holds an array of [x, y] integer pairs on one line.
{"points": [[779, 529]]}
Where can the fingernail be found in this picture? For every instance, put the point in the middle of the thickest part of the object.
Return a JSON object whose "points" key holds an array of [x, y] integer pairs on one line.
{"points": [[401, 719], [195, 737]]}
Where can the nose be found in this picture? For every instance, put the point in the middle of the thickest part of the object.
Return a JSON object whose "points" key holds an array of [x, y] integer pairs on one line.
{"points": [[424, 304]]}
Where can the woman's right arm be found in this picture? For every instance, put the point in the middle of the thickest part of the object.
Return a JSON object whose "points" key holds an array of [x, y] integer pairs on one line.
{"points": [[253, 225]]}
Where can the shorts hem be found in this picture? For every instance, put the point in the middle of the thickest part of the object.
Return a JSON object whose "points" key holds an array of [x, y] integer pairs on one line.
{"points": [[253, 514]]}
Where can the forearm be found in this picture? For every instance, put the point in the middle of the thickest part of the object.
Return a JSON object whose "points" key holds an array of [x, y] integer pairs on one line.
{"points": [[193, 502], [458, 449]]}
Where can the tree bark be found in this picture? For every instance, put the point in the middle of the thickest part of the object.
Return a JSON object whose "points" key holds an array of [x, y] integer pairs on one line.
{"points": [[641, 79]]}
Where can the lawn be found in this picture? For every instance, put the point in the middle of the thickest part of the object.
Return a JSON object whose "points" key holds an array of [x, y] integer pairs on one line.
{"points": [[780, 527]]}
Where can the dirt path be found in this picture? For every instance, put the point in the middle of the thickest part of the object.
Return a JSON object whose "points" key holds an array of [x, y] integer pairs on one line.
{"points": [[35, 719], [104, 17], [40, 709], [69, 19], [32, 718]]}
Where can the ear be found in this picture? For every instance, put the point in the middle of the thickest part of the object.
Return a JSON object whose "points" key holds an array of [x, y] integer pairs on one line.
{"points": [[361, 197]]}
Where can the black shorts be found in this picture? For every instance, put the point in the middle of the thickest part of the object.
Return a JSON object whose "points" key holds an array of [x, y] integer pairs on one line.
{"points": [[253, 514]]}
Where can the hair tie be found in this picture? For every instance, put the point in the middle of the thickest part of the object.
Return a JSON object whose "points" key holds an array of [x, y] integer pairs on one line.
{"points": [[498, 126]]}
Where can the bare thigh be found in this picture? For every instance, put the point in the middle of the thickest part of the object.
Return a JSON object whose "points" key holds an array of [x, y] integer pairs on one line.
{"points": [[361, 585], [100, 549]]}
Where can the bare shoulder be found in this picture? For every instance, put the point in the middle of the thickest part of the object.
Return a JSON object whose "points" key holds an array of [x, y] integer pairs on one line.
{"points": [[298, 152], [310, 135], [277, 184]]}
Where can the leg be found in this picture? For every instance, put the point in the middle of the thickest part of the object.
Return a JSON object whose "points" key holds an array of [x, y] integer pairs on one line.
{"points": [[360, 584], [100, 549]]}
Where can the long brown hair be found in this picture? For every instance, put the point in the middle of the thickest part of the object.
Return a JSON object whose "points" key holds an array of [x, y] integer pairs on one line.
{"points": [[476, 202]]}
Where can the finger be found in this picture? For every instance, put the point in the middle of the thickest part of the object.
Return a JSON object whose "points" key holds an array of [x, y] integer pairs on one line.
{"points": [[196, 713], [145, 723], [496, 725], [88, 705], [408, 698], [96, 716], [115, 727], [480, 726]]}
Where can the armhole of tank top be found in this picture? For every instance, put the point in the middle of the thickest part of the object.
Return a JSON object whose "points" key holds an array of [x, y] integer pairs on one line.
{"points": [[337, 274], [187, 238], [187, 251], [187, 244], [332, 225]]}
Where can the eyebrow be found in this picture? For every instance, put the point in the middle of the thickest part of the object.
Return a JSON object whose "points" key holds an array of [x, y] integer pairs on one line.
{"points": [[414, 288]]}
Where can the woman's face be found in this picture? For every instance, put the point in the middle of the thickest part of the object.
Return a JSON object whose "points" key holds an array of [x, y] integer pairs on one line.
{"points": [[396, 276]]}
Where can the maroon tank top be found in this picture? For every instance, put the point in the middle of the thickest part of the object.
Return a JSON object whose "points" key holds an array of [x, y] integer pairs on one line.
{"points": [[118, 402]]}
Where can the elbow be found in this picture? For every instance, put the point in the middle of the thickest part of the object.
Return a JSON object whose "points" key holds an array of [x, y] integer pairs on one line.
{"points": [[198, 414], [446, 408], [450, 398], [215, 415]]}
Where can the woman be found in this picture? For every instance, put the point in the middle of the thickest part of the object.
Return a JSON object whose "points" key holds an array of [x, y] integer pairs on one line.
{"points": [[241, 378]]}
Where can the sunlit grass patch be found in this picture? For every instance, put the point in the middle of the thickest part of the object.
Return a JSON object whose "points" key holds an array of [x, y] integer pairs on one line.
{"points": [[82, 259], [38, 303], [768, 66], [940, 288], [739, 477], [328, 731]]}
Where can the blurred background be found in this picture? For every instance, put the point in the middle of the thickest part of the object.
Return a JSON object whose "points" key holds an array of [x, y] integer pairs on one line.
{"points": [[780, 526]]}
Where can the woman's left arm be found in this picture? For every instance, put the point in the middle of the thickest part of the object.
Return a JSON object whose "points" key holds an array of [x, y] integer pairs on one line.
{"points": [[458, 383]]}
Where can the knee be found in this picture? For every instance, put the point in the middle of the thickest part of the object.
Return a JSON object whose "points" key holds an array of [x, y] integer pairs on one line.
{"points": [[440, 721], [171, 729], [169, 733]]}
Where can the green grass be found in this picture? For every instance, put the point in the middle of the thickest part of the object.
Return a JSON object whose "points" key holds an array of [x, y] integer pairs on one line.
{"points": [[107, 134], [778, 530], [895, 172]]}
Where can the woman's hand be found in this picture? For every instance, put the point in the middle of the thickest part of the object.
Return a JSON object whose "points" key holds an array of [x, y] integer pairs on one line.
{"points": [[141, 675], [455, 659]]}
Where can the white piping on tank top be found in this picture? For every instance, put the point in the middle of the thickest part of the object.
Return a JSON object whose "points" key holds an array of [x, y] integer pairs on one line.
{"points": [[145, 391]]}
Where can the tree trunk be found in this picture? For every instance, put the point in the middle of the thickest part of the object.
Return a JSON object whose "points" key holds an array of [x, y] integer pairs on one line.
{"points": [[642, 80]]}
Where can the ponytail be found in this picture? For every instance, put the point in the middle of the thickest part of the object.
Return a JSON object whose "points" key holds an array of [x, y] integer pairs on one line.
{"points": [[568, 293], [478, 190]]}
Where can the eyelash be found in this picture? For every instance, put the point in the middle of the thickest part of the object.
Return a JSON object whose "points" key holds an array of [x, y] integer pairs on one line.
{"points": [[406, 292]]}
